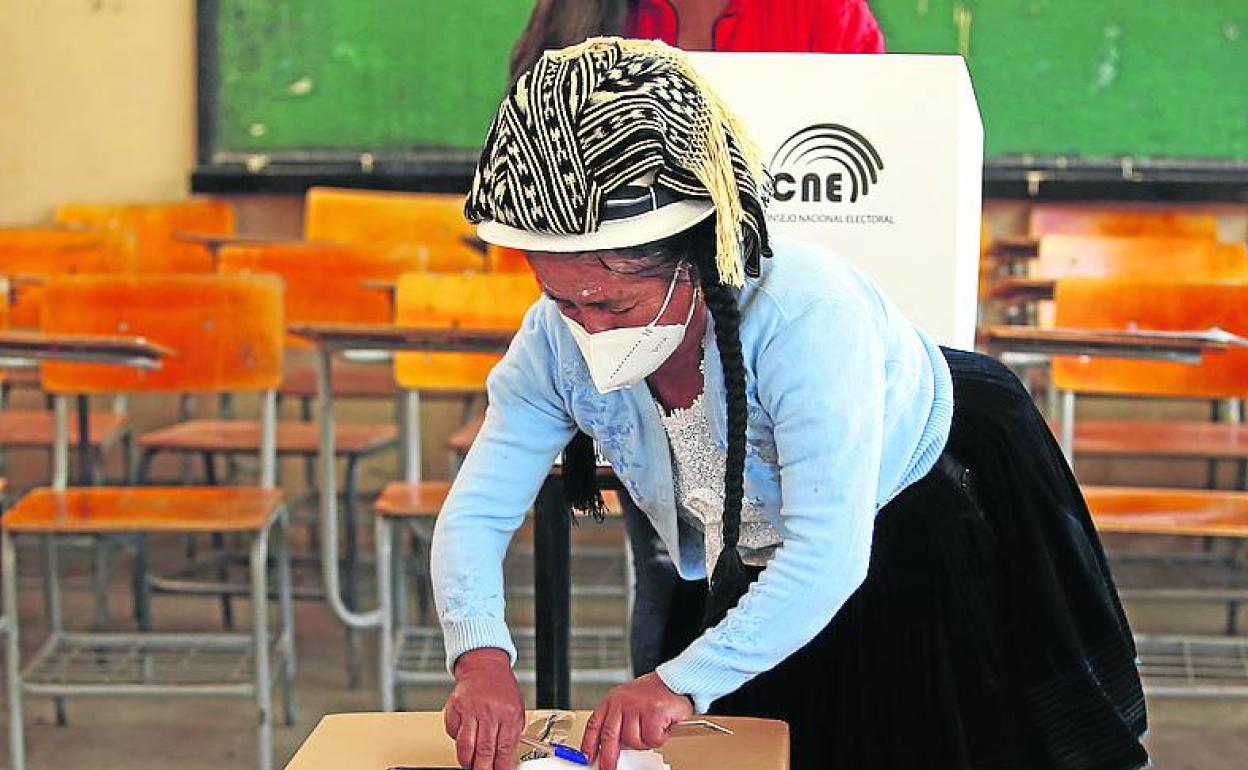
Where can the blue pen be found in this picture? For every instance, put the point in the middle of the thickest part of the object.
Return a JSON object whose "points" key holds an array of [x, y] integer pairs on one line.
{"points": [[557, 749]]}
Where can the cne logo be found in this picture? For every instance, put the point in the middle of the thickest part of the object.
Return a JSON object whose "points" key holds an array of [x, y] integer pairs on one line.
{"points": [[826, 162]]}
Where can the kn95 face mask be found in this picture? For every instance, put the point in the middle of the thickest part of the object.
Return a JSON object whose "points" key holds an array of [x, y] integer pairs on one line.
{"points": [[618, 358]]}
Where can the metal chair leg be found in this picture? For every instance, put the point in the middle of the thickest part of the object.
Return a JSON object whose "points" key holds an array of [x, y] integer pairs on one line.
{"points": [[220, 547], [309, 461], [52, 600], [400, 574], [222, 554], [260, 637], [351, 589], [140, 587], [99, 582], [383, 534], [12, 665], [285, 594]]}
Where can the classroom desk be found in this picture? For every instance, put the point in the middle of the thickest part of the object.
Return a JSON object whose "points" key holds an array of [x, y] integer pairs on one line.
{"points": [[329, 341], [1187, 347], [1039, 344], [26, 348], [418, 739]]}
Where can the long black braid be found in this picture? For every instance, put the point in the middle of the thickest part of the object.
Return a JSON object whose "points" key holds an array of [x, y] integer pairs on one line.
{"points": [[730, 579]]}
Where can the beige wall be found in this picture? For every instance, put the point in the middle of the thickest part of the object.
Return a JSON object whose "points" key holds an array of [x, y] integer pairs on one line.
{"points": [[98, 103]]}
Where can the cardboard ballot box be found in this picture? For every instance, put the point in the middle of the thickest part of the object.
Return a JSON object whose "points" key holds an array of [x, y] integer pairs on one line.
{"points": [[879, 158], [418, 739]]}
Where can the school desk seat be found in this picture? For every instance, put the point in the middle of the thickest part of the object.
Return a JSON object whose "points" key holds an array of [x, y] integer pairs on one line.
{"points": [[1184, 665], [424, 499], [225, 335], [1161, 438], [36, 429], [143, 509], [358, 381], [460, 440], [352, 440]]}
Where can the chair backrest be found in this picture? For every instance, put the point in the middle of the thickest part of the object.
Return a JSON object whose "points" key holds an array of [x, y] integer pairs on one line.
{"points": [[154, 226], [29, 255], [466, 301], [504, 260], [1068, 219], [1143, 258], [1154, 306], [226, 331], [327, 282], [429, 223]]}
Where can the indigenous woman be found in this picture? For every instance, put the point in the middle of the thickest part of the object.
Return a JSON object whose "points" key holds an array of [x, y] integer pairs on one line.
{"points": [[880, 541]]}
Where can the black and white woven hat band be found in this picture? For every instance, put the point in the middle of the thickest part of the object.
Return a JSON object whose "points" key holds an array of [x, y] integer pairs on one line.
{"points": [[631, 215]]}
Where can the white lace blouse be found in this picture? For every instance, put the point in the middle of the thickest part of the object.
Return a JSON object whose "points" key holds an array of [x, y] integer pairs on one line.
{"points": [[698, 466]]}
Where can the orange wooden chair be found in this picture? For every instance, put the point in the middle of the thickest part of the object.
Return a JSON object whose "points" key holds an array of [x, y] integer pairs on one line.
{"points": [[31, 256], [1105, 221], [1172, 665], [431, 225], [226, 334], [155, 227], [324, 283], [1140, 258], [1161, 306]]}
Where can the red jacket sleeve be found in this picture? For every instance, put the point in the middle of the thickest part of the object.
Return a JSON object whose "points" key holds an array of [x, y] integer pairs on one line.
{"points": [[845, 26]]}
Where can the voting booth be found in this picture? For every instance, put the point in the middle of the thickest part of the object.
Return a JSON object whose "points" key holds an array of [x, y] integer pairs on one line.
{"points": [[878, 158]]}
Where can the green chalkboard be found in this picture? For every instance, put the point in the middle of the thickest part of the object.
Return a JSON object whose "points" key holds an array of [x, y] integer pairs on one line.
{"points": [[1093, 77], [1085, 78], [383, 75]]}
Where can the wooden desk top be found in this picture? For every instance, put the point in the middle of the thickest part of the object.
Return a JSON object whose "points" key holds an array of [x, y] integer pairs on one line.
{"points": [[215, 241], [1183, 346], [83, 348], [1021, 289], [1014, 247], [418, 739], [339, 337]]}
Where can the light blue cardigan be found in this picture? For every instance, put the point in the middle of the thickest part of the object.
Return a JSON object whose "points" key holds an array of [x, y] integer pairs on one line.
{"points": [[848, 404]]}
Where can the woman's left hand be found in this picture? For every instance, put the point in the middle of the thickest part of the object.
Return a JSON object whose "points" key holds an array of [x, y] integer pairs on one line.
{"points": [[635, 715]]}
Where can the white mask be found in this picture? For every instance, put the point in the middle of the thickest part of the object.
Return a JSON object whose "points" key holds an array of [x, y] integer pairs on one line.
{"points": [[618, 358]]}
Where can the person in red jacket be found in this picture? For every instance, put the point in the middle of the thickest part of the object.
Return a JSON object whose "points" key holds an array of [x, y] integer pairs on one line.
{"points": [[818, 26], [799, 26]]}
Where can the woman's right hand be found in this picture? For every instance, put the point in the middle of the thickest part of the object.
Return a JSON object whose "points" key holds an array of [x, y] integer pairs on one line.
{"points": [[485, 713]]}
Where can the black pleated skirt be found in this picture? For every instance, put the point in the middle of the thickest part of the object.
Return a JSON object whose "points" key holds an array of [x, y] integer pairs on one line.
{"points": [[988, 633]]}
